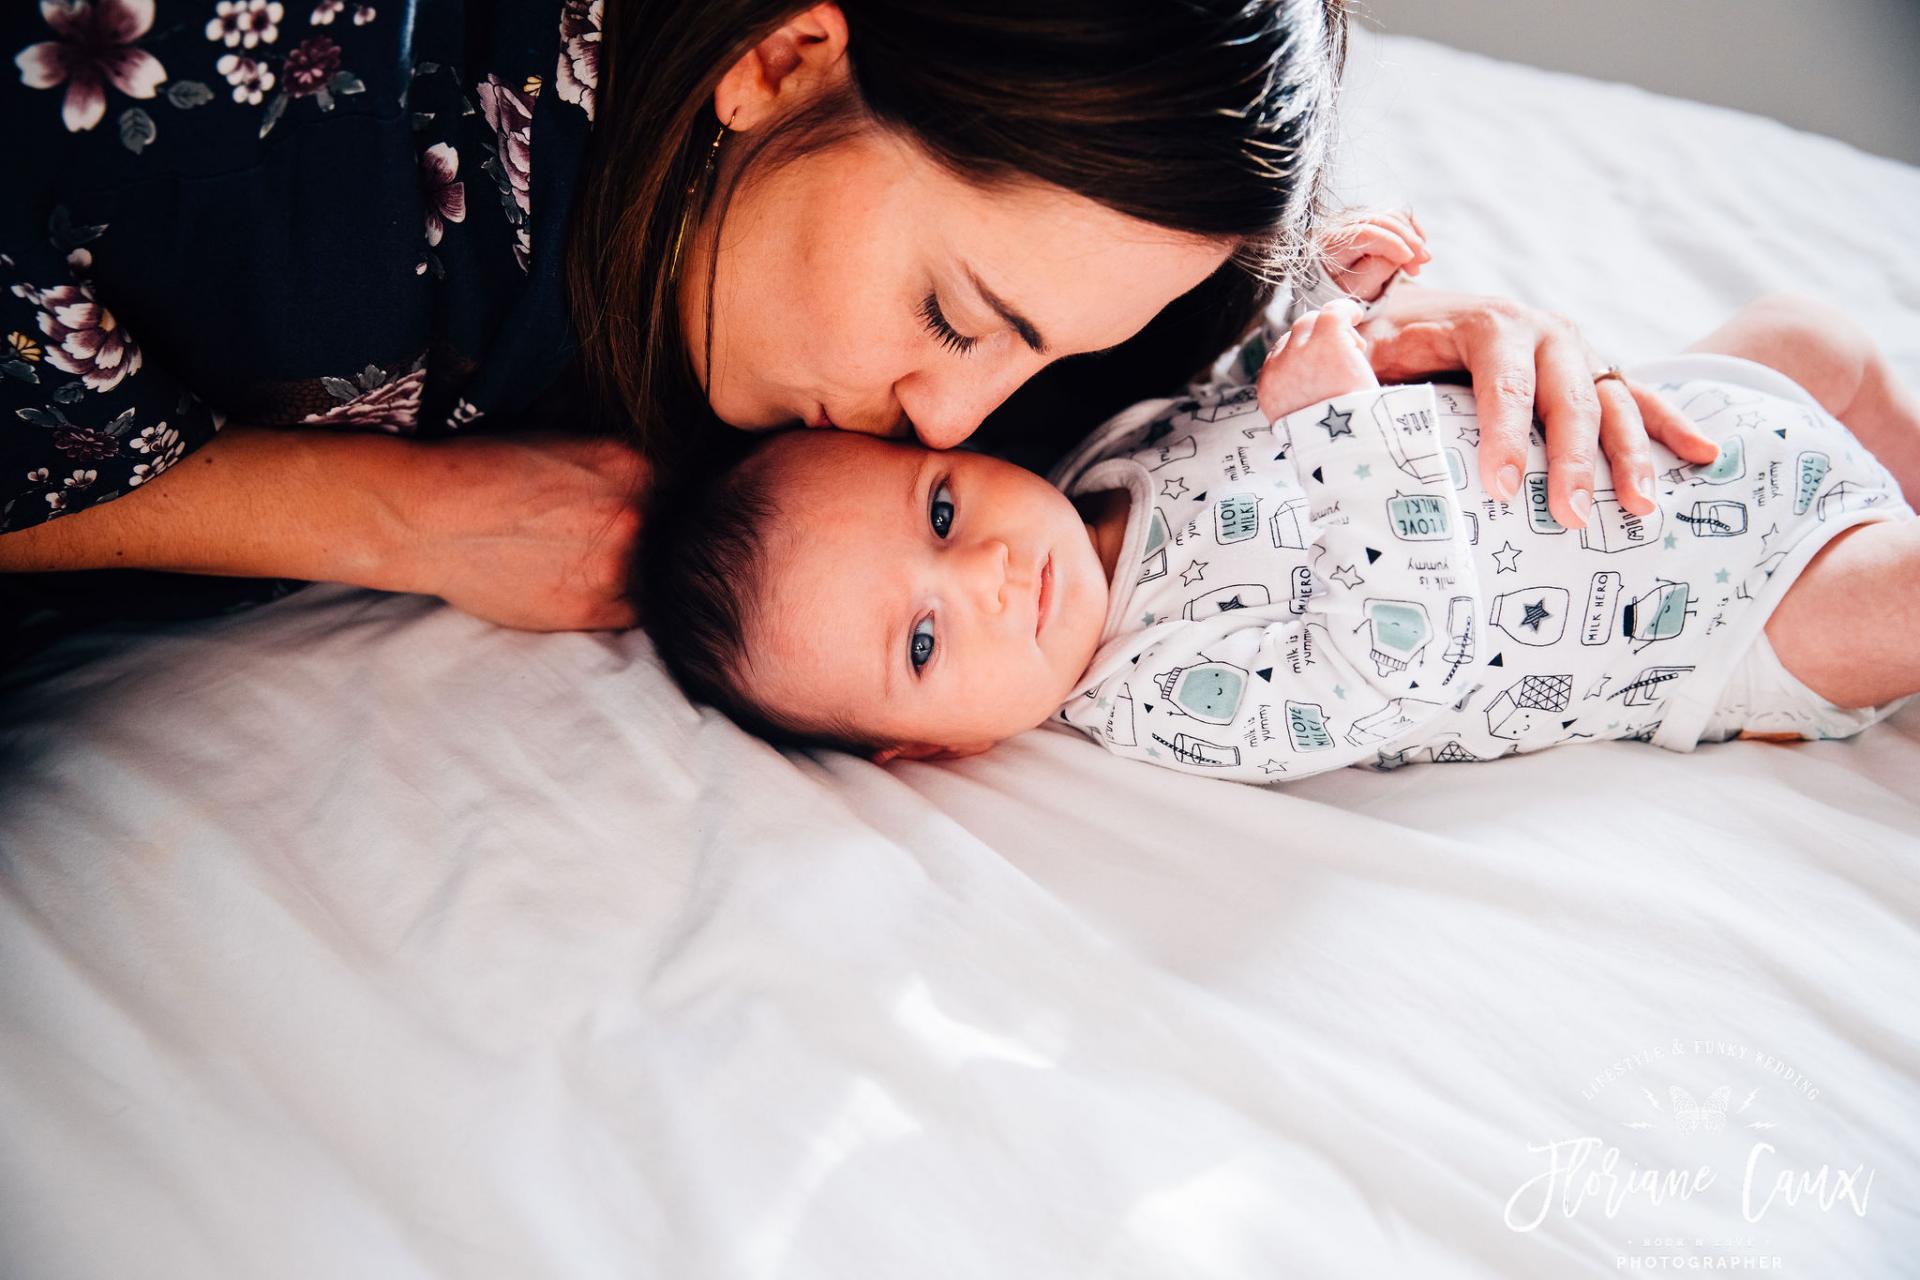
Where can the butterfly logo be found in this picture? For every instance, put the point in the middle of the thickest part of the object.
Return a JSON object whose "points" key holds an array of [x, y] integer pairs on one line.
{"points": [[1700, 1117]]}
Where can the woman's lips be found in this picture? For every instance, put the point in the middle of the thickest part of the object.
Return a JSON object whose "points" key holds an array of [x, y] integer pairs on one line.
{"points": [[1046, 595]]}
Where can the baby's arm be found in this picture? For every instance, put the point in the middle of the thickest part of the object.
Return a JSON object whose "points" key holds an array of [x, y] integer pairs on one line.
{"points": [[1362, 631], [1322, 356], [1359, 255]]}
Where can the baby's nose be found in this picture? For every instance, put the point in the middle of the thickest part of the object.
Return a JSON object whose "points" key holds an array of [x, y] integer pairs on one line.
{"points": [[986, 570]]}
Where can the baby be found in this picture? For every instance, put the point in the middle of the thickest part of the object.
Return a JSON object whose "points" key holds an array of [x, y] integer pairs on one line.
{"points": [[1216, 592]]}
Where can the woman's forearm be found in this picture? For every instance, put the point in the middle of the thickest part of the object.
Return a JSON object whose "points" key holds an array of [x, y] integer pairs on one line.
{"points": [[249, 503]]}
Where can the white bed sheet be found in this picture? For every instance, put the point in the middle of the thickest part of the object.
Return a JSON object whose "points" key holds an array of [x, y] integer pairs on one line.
{"points": [[355, 937]]}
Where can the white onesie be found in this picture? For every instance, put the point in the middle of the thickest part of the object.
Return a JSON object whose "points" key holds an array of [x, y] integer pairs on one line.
{"points": [[1337, 588]]}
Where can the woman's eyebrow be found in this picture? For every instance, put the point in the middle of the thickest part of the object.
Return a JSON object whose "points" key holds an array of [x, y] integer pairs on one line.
{"points": [[1029, 333]]}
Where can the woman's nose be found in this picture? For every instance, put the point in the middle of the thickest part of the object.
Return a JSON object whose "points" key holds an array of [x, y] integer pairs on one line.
{"points": [[983, 574], [948, 407]]}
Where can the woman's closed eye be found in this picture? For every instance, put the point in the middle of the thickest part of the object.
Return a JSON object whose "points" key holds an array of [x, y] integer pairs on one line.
{"points": [[936, 321]]}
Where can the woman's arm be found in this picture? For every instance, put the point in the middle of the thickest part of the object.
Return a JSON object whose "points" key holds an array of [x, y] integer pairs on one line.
{"points": [[535, 533], [1525, 361]]}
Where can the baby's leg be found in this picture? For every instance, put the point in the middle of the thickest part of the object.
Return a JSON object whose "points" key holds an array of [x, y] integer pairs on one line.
{"points": [[1837, 361], [1849, 627]]}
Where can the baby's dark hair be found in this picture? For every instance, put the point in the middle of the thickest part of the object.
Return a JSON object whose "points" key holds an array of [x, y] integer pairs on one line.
{"points": [[704, 574]]}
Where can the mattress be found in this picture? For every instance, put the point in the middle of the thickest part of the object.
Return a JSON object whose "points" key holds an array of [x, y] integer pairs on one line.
{"points": [[353, 936]]}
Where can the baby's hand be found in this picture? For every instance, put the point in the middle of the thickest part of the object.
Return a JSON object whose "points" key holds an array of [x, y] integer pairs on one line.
{"points": [[1365, 247], [1322, 356]]}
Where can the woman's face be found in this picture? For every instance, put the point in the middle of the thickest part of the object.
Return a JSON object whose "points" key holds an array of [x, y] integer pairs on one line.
{"points": [[864, 287]]}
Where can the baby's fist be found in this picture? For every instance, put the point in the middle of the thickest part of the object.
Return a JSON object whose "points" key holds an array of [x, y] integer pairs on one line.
{"points": [[1322, 356], [1364, 248]]}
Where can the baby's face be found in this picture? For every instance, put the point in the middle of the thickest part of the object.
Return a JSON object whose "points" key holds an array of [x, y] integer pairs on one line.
{"points": [[928, 600]]}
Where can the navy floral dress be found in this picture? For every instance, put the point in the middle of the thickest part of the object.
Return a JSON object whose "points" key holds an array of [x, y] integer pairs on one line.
{"points": [[277, 212]]}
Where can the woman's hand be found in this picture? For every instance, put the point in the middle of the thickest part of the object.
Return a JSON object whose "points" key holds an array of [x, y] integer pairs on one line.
{"points": [[1523, 361], [535, 532]]}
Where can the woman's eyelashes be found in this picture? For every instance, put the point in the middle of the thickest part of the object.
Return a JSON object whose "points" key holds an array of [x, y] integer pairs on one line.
{"points": [[945, 334]]}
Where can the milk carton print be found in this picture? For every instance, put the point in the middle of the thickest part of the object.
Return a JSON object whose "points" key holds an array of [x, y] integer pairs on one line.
{"points": [[1405, 419], [1320, 594], [1611, 527], [1400, 631], [1236, 518], [1535, 616], [1209, 691]]}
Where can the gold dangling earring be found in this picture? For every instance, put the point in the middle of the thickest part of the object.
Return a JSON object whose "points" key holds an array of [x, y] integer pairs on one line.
{"points": [[686, 215]]}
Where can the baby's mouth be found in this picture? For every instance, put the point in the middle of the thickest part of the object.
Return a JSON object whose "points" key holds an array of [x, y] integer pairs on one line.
{"points": [[1046, 595]]}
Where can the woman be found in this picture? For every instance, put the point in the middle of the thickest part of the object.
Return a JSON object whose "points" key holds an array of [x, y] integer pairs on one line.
{"points": [[641, 219]]}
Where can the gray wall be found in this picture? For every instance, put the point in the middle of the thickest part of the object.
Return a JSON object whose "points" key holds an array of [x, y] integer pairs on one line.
{"points": [[1846, 68]]}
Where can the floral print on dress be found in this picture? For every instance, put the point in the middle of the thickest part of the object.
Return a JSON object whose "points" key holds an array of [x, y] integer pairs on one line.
{"points": [[93, 47], [446, 199], [163, 447], [245, 23], [578, 74], [375, 399], [82, 336], [510, 114], [93, 414], [311, 67]]}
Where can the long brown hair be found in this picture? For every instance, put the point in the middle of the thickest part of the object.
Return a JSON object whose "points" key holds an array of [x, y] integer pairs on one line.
{"points": [[1209, 117]]}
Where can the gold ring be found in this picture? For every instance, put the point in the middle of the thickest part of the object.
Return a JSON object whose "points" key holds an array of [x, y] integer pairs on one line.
{"points": [[1611, 371]]}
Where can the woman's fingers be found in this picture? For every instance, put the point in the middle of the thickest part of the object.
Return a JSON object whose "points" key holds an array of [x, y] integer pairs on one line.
{"points": [[1672, 428], [1501, 359], [1569, 408], [1623, 438]]}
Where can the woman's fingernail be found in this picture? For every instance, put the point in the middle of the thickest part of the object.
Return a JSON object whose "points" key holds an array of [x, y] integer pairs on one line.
{"points": [[1509, 479], [1582, 503]]}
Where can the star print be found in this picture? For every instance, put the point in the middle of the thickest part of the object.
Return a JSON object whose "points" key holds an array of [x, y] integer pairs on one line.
{"points": [[1720, 576], [1769, 536], [1507, 557], [1362, 471], [1173, 488], [1346, 577], [1671, 542], [1535, 614], [1153, 753], [1340, 692], [1336, 423], [1195, 572], [1748, 421], [1272, 767], [1234, 602], [1146, 619], [1471, 435]]}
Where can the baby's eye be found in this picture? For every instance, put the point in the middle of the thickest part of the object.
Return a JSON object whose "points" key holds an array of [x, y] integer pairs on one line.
{"points": [[920, 644], [940, 514]]}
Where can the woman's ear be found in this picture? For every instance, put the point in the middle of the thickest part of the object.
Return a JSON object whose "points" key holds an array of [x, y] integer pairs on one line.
{"points": [[927, 751], [807, 54]]}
